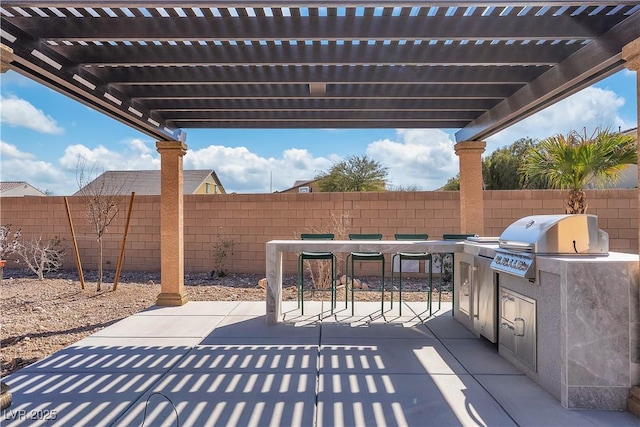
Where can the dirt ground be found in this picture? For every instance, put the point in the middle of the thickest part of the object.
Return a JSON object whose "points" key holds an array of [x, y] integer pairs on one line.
{"points": [[39, 318]]}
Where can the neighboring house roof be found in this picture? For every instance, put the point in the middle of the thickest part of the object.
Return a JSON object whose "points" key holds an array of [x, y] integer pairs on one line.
{"points": [[147, 182], [300, 183], [18, 189]]}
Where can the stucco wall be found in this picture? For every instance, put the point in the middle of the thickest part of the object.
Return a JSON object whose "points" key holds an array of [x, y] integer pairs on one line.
{"points": [[252, 220]]}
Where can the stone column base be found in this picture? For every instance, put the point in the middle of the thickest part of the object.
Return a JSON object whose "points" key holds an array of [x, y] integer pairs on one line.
{"points": [[171, 299]]}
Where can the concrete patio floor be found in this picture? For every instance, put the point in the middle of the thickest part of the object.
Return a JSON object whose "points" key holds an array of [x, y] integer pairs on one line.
{"points": [[218, 363]]}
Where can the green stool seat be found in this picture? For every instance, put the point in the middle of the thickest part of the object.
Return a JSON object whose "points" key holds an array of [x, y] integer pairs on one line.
{"points": [[365, 257], [316, 256], [411, 256]]}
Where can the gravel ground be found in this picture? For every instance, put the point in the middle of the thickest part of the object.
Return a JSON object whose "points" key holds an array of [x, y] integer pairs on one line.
{"points": [[42, 317]]}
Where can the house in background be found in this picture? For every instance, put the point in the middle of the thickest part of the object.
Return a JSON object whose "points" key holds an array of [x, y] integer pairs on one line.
{"points": [[19, 189], [148, 182], [304, 186]]}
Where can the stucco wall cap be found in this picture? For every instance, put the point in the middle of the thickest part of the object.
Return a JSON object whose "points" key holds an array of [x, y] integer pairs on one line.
{"points": [[6, 57], [171, 145], [631, 54], [467, 146]]}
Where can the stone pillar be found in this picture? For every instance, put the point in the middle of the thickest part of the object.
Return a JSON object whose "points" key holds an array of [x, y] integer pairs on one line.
{"points": [[631, 54], [6, 57], [171, 223], [471, 188]]}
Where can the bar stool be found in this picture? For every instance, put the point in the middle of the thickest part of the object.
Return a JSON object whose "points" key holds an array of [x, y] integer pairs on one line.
{"points": [[366, 257], [451, 236], [411, 256], [315, 256]]}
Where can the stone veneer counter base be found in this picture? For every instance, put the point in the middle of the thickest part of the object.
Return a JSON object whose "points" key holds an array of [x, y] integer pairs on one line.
{"points": [[587, 328]]}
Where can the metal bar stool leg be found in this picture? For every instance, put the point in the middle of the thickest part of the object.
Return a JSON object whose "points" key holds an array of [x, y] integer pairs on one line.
{"points": [[400, 288], [382, 299], [346, 285], [453, 295], [300, 285], [393, 266], [333, 283], [431, 284], [353, 274]]}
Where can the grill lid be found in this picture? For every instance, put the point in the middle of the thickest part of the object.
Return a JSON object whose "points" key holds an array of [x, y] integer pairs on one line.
{"points": [[556, 235]]}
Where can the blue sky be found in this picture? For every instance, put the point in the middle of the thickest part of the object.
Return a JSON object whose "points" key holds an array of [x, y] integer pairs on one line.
{"points": [[42, 134]]}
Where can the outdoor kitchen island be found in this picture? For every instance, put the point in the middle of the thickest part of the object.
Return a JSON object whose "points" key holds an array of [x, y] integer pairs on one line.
{"points": [[572, 324], [587, 325]]}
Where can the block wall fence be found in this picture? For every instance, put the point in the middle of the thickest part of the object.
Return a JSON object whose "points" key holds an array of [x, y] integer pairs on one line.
{"points": [[251, 220]]}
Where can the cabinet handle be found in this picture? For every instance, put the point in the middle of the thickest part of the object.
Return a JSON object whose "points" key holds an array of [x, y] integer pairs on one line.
{"points": [[464, 287], [516, 333], [505, 298], [505, 326]]}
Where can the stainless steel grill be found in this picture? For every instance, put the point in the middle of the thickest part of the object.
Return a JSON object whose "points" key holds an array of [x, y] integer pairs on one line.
{"points": [[566, 235]]}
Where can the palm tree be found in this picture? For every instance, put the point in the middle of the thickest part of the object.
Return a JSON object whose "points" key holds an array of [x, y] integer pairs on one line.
{"points": [[577, 160]]}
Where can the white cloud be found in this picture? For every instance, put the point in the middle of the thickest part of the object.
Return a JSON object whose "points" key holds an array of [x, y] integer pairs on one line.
{"points": [[423, 158], [240, 170], [17, 165], [590, 108], [9, 151], [136, 155], [20, 113]]}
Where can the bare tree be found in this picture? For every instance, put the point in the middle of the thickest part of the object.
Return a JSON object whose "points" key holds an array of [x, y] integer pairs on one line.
{"points": [[42, 257], [8, 244], [103, 199]]}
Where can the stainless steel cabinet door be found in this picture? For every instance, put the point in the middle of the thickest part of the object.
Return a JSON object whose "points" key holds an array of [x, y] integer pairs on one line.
{"points": [[518, 326], [484, 299], [525, 332], [465, 281]]}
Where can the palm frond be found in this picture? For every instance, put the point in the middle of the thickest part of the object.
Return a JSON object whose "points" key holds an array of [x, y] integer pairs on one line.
{"points": [[577, 160]]}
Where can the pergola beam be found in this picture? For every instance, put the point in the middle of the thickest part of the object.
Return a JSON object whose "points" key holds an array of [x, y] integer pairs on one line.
{"points": [[326, 74], [301, 91], [41, 64], [304, 28], [592, 63], [320, 124], [320, 104], [331, 54], [299, 3]]}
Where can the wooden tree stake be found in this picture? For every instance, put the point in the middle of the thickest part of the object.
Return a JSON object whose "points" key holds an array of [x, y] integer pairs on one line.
{"points": [[75, 244], [124, 241]]}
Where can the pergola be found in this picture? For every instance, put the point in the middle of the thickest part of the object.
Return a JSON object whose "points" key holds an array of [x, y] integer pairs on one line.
{"points": [[166, 66]]}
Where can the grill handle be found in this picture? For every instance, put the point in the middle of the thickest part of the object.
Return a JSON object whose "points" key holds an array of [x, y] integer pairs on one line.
{"points": [[518, 246]]}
